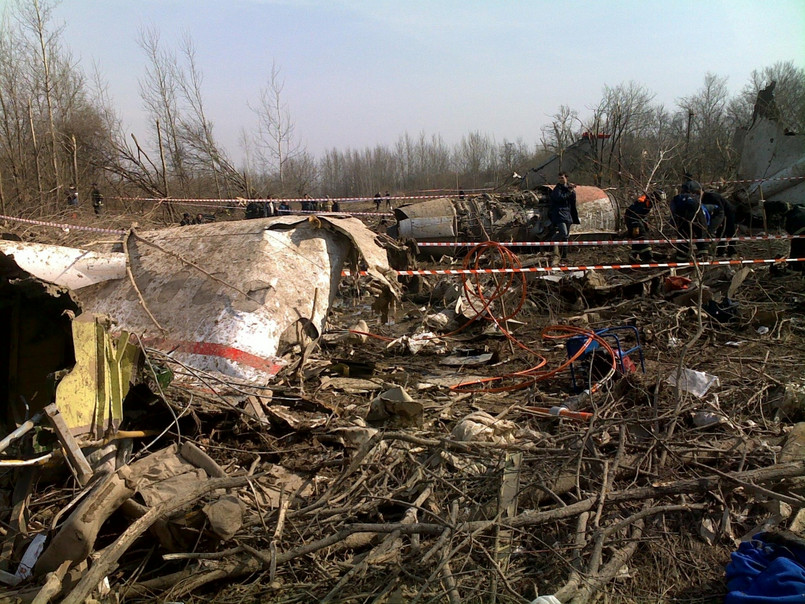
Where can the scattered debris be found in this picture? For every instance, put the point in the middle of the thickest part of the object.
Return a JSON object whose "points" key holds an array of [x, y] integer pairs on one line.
{"points": [[695, 382], [132, 468]]}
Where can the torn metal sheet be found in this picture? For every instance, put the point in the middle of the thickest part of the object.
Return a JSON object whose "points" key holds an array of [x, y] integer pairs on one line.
{"points": [[772, 156], [466, 358], [252, 284], [577, 154], [66, 266]]}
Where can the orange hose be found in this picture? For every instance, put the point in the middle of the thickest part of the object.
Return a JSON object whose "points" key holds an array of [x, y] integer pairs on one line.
{"points": [[474, 293]]}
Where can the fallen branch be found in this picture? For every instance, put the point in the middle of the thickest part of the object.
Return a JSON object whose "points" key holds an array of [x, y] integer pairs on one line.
{"points": [[109, 557]]}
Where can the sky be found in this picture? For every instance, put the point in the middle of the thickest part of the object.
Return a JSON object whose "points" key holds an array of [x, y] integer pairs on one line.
{"points": [[361, 73]]}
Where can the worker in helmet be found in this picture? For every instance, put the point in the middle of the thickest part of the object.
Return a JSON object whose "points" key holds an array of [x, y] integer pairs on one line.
{"points": [[636, 218]]}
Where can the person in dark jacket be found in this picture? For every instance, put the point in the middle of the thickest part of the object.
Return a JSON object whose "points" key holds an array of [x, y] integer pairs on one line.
{"points": [[722, 221], [72, 196], [636, 219], [97, 199], [688, 218], [562, 212], [254, 209]]}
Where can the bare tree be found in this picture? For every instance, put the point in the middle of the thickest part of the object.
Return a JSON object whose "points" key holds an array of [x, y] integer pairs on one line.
{"points": [[474, 157], [159, 90], [275, 129], [36, 16], [116, 155], [619, 122], [709, 152], [562, 131]]}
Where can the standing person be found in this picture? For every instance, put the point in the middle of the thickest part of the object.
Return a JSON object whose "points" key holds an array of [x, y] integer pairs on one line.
{"points": [[562, 212], [284, 207], [377, 201], [388, 201], [254, 209], [336, 205], [327, 204], [689, 218], [97, 199], [72, 196], [636, 219], [269, 209], [722, 221]]}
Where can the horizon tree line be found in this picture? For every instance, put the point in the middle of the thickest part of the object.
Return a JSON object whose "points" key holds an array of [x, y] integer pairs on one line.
{"points": [[59, 127]]}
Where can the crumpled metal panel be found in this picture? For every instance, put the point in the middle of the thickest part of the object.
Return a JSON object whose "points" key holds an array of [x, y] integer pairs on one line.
{"points": [[66, 266], [253, 280], [769, 153], [90, 397]]}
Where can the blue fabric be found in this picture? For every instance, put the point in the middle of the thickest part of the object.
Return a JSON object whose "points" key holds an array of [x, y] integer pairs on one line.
{"points": [[766, 573], [684, 207]]}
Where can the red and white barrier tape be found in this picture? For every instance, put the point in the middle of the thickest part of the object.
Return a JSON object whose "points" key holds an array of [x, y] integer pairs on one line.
{"points": [[600, 242], [746, 180], [241, 201], [236, 202], [581, 267], [344, 213], [62, 225]]}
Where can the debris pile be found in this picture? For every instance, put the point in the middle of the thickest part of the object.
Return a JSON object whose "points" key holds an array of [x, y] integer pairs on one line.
{"points": [[436, 451]]}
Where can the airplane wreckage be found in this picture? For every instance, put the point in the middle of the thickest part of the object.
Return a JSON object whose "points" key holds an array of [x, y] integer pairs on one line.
{"points": [[226, 297], [772, 164], [223, 302], [520, 216]]}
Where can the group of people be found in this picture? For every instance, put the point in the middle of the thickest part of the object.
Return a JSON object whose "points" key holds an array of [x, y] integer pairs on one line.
{"points": [[95, 196], [319, 205], [198, 219], [694, 214], [379, 199]]}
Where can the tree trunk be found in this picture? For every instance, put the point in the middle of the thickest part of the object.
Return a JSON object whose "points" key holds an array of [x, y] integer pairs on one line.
{"points": [[75, 161], [40, 30], [164, 172], [36, 160]]}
